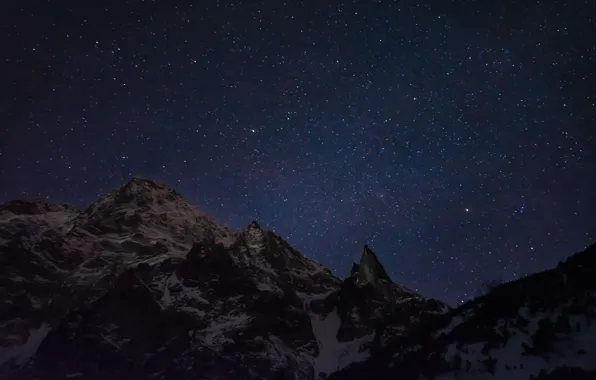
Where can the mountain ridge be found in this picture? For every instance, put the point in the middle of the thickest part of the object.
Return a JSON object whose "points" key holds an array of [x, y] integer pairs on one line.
{"points": [[531, 317], [145, 242], [141, 284]]}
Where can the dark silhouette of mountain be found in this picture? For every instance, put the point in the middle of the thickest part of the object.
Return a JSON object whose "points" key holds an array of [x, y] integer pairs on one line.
{"points": [[143, 285], [542, 326]]}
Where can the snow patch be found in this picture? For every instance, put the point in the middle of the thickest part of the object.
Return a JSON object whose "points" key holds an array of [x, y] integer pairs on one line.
{"points": [[115, 341], [333, 354], [182, 295], [455, 321], [307, 299], [215, 334], [193, 311], [269, 288], [22, 353], [511, 362]]}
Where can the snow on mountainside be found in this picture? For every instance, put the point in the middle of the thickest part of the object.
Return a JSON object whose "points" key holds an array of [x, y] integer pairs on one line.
{"points": [[144, 213], [539, 327], [143, 285], [33, 218], [30, 267]]}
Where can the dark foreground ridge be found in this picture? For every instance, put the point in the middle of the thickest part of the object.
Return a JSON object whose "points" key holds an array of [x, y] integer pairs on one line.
{"points": [[142, 285]]}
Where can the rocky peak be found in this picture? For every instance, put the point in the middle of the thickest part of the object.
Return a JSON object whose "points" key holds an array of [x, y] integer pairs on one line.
{"points": [[152, 212], [144, 285], [542, 326], [140, 194], [254, 237], [193, 307], [254, 225], [370, 269], [146, 187]]}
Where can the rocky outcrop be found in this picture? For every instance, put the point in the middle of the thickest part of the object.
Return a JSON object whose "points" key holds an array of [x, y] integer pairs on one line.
{"points": [[369, 298]]}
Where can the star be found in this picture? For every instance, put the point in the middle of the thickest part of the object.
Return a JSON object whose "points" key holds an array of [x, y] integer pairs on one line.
{"points": [[328, 127]]}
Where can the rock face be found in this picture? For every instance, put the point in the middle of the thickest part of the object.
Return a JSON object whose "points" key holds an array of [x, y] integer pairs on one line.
{"points": [[143, 285], [368, 298]]}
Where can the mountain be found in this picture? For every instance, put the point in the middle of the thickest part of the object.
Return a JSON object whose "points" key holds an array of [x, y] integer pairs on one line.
{"points": [[143, 285], [542, 327]]}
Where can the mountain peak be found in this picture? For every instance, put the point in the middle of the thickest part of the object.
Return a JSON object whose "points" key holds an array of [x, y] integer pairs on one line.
{"points": [[136, 194], [138, 185], [255, 237], [370, 269], [254, 225], [156, 210], [142, 181], [143, 276]]}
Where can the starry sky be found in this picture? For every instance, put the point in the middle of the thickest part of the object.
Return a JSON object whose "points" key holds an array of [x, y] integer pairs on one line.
{"points": [[456, 138]]}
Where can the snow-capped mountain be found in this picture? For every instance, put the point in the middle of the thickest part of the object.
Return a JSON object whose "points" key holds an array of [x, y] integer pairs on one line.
{"points": [[143, 285], [542, 326]]}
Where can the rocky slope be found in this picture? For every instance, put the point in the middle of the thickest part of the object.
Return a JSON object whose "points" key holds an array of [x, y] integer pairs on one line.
{"points": [[143, 285], [539, 327]]}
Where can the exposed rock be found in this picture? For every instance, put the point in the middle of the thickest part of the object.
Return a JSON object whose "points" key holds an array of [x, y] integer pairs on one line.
{"points": [[144, 285]]}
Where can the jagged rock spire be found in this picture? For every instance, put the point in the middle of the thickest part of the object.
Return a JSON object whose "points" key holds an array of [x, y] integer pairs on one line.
{"points": [[255, 237], [370, 269]]}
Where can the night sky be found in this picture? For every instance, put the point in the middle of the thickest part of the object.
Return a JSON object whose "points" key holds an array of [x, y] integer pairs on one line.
{"points": [[457, 139]]}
